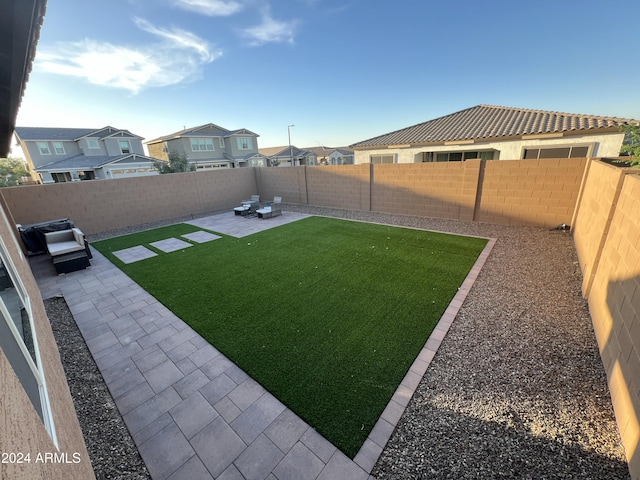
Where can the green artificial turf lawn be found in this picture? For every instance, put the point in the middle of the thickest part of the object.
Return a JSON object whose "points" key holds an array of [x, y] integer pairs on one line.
{"points": [[326, 314]]}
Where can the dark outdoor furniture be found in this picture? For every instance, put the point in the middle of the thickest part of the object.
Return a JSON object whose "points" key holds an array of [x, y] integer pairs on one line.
{"points": [[32, 235], [70, 262], [270, 209], [248, 207]]}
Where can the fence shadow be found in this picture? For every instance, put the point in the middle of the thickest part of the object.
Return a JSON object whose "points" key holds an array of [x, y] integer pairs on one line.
{"points": [[468, 447]]}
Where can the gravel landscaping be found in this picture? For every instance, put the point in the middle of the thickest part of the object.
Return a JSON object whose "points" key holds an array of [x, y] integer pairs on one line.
{"points": [[112, 452], [517, 388]]}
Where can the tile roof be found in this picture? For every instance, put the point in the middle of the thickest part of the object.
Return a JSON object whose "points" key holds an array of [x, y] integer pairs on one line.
{"points": [[492, 122]]}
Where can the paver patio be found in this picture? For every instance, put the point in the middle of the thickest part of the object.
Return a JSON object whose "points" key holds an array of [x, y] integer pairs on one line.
{"points": [[191, 411]]}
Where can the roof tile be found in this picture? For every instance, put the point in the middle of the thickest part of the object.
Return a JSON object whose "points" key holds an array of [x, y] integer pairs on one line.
{"points": [[489, 121]]}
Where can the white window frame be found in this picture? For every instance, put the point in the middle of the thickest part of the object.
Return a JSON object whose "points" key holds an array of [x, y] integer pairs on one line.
{"points": [[392, 155], [588, 146], [58, 148], [202, 144], [35, 367], [43, 147], [93, 144], [221, 142], [245, 143], [121, 143]]}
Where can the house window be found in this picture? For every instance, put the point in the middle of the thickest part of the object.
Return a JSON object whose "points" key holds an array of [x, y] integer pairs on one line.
{"points": [[87, 175], [208, 166], [381, 159], [221, 142], [201, 144], [19, 342], [460, 156], [93, 144], [256, 162], [245, 143], [58, 147], [124, 146], [44, 148], [559, 152], [61, 177]]}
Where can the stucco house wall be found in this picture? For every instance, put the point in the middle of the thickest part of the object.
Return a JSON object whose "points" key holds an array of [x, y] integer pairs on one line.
{"points": [[600, 145], [22, 430]]}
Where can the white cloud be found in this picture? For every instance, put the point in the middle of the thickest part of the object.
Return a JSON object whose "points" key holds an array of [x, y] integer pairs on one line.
{"points": [[178, 57], [270, 30], [212, 8]]}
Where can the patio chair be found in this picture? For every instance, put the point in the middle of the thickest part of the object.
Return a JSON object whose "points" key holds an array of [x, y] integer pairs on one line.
{"points": [[270, 209], [248, 207]]}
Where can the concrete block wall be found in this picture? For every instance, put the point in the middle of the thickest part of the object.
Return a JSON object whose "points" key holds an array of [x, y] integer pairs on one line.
{"points": [[607, 238], [527, 192], [443, 190], [21, 429], [102, 205], [286, 182], [601, 187], [530, 192], [345, 186]]}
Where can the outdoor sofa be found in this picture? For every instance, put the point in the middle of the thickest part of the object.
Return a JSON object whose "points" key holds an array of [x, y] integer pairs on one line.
{"points": [[271, 209], [69, 250]]}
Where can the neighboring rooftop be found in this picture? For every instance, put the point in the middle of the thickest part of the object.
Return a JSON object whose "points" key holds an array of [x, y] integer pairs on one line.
{"points": [[318, 151], [488, 121], [91, 161], [69, 134], [206, 130]]}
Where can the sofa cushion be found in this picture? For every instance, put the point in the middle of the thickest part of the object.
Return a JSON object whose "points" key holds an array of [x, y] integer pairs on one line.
{"points": [[60, 248], [64, 241], [78, 236]]}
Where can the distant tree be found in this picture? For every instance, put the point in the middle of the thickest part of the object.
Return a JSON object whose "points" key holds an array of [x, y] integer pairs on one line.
{"points": [[12, 170], [631, 143], [275, 162], [177, 163]]}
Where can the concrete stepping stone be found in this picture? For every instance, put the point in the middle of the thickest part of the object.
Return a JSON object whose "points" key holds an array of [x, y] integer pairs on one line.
{"points": [[201, 236], [171, 245], [134, 254]]}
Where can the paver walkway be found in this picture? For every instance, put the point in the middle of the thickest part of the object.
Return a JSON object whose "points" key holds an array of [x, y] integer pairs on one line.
{"points": [[192, 412]]}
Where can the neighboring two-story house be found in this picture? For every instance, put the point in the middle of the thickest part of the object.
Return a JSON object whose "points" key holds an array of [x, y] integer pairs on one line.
{"points": [[71, 154], [210, 146]]}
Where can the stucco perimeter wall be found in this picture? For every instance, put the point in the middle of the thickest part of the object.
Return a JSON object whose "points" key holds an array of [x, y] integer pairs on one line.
{"points": [[21, 430], [102, 205], [530, 192], [607, 238]]}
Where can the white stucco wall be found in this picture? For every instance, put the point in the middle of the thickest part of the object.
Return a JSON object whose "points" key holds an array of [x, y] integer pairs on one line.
{"points": [[601, 145]]}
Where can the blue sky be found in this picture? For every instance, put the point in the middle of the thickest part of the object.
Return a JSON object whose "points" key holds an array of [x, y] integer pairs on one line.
{"points": [[341, 71]]}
